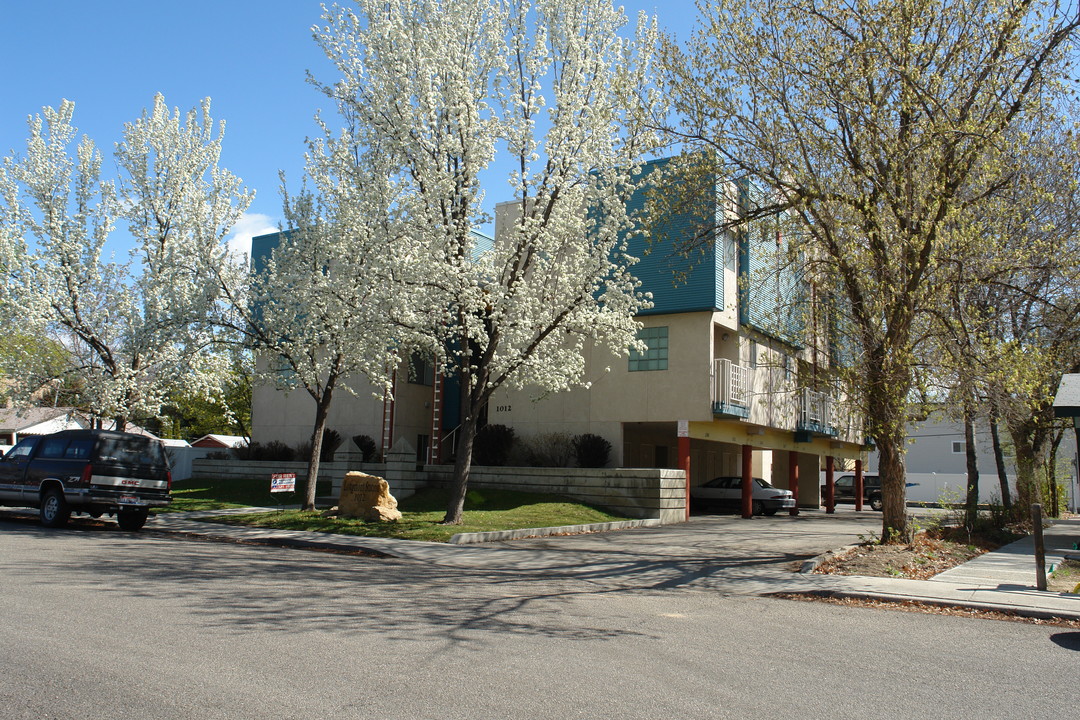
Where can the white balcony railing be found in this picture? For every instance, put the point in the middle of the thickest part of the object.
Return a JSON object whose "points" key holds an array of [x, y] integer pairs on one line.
{"points": [[731, 386], [816, 411]]}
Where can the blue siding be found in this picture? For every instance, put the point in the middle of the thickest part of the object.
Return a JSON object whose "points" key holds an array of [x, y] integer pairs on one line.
{"points": [[678, 283], [262, 247], [772, 297]]}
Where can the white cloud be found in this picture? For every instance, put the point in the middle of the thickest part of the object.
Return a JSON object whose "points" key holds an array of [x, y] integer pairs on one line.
{"points": [[248, 226]]}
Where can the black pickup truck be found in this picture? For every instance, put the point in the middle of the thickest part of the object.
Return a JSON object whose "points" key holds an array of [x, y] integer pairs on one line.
{"points": [[845, 490], [96, 472]]}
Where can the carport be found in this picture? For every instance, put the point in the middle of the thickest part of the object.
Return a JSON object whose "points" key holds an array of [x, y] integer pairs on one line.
{"points": [[795, 460]]}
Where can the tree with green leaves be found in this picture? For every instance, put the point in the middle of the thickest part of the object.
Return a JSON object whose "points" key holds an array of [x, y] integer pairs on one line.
{"points": [[877, 125]]}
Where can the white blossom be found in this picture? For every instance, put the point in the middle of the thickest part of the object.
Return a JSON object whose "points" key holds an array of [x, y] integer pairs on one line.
{"points": [[133, 330]]}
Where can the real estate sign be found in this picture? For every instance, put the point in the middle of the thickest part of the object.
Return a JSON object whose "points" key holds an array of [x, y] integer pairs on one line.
{"points": [[283, 482]]}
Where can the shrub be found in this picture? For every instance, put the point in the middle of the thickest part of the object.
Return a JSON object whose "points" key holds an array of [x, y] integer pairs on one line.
{"points": [[492, 445], [331, 441], [367, 447], [544, 450], [591, 451], [273, 451]]}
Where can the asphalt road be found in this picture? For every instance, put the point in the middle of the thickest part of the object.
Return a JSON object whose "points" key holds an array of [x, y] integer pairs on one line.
{"points": [[102, 623]]}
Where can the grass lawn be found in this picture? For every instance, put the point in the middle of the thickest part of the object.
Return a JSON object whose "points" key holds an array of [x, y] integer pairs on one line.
{"points": [[189, 495], [485, 510]]}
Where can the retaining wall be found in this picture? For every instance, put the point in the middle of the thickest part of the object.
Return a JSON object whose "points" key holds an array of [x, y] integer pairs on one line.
{"points": [[634, 492]]}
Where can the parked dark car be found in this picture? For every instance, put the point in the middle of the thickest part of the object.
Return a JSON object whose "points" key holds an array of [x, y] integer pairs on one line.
{"points": [[726, 491], [845, 490], [96, 472]]}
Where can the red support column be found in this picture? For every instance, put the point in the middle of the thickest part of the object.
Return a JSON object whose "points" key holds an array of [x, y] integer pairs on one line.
{"points": [[858, 485], [684, 465], [747, 481], [793, 480], [830, 486]]}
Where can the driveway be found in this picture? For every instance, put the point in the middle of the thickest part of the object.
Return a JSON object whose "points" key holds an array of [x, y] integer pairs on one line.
{"points": [[723, 553]]}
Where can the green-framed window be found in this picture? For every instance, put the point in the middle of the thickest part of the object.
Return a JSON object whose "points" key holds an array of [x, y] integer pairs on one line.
{"points": [[655, 356]]}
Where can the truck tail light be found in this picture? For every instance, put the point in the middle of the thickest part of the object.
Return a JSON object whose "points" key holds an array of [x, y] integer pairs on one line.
{"points": [[87, 473], [168, 480]]}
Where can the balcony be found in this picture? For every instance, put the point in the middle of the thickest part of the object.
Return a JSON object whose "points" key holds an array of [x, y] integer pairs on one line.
{"points": [[731, 385], [816, 414]]}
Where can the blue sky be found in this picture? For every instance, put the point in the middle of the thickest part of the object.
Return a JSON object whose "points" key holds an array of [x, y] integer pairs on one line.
{"points": [[250, 58]]}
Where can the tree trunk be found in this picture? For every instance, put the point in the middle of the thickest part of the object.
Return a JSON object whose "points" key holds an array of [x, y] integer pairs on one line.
{"points": [[120, 423], [462, 465], [322, 410], [1051, 473], [889, 381], [971, 506], [893, 477], [1027, 491], [999, 461]]}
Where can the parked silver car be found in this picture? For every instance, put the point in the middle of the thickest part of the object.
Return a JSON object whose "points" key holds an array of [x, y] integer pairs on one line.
{"points": [[726, 491]]}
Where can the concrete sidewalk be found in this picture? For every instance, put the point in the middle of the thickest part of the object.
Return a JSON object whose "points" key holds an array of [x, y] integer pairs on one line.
{"points": [[722, 554]]}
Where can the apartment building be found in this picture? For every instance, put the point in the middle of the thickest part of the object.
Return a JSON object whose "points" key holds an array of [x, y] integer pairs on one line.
{"points": [[737, 371]]}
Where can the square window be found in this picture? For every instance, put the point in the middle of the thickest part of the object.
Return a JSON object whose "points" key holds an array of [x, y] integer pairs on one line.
{"points": [[655, 356], [959, 447]]}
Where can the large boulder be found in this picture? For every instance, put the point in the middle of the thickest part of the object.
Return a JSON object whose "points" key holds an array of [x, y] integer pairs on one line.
{"points": [[367, 497]]}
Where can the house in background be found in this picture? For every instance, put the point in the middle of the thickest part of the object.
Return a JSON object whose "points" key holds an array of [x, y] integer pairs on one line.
{"points": [[16, 423], [213, 440], [936, 462], [737, 372]]}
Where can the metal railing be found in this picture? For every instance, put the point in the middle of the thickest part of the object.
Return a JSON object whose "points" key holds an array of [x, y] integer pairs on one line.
{"points": [[816, 411], [731, 386]]}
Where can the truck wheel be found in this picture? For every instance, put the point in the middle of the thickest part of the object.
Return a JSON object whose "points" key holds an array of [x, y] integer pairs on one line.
{"points": [[54, 511], [132, 519], [875, 503]]}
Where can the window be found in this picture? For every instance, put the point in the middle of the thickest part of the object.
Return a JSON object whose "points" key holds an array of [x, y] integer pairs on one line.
{"points": [[24, 448], [421, 370], [53, 447], [79, 449], [753, 353], [655, 356], [959, 447]]}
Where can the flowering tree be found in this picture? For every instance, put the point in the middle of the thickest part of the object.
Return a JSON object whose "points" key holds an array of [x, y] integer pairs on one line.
{"points": [[440, 88], [320, 313], [134, 330], [877, 124]]}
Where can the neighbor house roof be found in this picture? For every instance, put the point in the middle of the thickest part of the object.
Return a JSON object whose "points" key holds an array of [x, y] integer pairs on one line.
{"points": [[220, 441], [1067, 400], [21, 419]]}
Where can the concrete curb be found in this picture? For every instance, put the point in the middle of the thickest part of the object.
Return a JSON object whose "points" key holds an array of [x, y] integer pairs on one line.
{"points": [[1040, 613], [811, 565], [497, 535]]}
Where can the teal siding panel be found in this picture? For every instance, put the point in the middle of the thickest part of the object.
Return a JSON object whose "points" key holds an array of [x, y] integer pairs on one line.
{"points": [[677, 283], [772, 290], [262, 247]]}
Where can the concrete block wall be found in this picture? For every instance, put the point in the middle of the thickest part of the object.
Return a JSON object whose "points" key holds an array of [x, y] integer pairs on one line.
{"points": [[332, 471], [634, 492]]}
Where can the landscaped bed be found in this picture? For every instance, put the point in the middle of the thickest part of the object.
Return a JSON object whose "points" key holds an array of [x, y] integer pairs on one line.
{"points": [[928, 554], [422, 513]]}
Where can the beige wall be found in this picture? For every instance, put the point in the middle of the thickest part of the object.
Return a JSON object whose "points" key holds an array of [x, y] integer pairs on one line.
{"points": [[617, 396], [288, 416]]}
